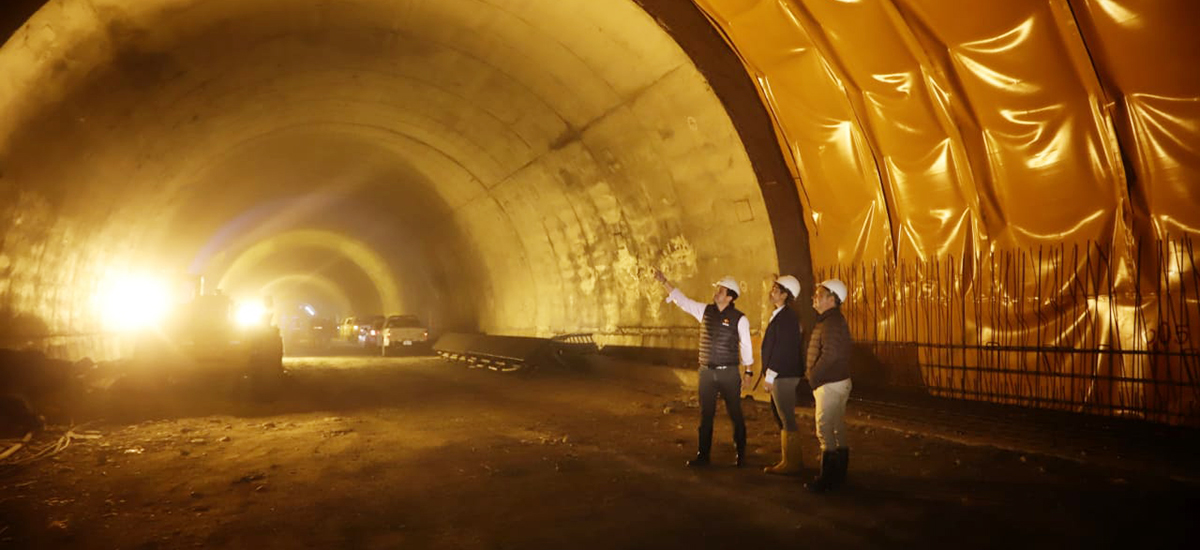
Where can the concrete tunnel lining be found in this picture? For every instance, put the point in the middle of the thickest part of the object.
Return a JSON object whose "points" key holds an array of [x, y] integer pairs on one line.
{"points": [[566, 160]]}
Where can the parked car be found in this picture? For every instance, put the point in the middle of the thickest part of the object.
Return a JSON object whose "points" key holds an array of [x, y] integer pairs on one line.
{"points": [[404, 332], [370, 330]]}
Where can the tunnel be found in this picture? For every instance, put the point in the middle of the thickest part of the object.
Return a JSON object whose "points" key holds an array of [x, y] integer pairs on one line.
{"points": [[990, 183], [1006, 188], [500, 168]]}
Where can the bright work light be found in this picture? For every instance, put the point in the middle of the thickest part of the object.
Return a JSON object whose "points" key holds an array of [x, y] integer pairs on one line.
{"points": [[133, 303]]}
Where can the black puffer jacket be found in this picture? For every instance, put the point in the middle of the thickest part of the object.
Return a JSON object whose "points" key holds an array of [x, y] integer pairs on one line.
{"points": [[829, 350]]}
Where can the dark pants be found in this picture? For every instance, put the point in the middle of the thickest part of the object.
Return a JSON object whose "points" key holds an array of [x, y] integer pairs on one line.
{"points": [[728, 383]]}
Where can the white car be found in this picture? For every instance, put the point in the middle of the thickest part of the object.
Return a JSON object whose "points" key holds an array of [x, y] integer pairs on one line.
{"points": [[404, 332]]}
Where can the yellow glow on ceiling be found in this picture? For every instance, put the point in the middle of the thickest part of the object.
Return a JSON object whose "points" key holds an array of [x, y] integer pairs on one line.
{"points": [[357, 252], [321, 283]]}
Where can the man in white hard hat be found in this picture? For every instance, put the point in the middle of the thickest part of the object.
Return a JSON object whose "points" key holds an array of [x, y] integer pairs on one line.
{"points": [[724, 343], [783, 370], [828, 374]]}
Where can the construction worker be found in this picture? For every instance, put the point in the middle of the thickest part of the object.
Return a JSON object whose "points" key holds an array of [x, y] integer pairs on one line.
{"points": [[828, 374], [783, 371], [724, 343]]}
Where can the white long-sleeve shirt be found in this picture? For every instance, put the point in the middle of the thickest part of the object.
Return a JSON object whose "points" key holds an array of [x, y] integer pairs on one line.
{"points": [[696, 309]]}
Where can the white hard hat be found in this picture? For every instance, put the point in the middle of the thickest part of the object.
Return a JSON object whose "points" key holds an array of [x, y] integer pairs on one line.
{"points": [[730, 283], [791, 283], [837, 287]]}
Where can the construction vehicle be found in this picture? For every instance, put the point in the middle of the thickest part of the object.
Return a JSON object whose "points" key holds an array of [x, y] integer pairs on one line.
{"points": [[207, 337]]}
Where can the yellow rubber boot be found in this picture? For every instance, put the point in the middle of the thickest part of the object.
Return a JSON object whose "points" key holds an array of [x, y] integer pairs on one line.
{"points": [[783, 441], [789, 443], [795, 454]]}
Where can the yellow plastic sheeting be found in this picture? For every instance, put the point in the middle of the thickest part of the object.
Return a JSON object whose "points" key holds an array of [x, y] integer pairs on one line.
{"points": [[1146, 52], [940, 126], [927, 136], [922, 164], [836, 171]]}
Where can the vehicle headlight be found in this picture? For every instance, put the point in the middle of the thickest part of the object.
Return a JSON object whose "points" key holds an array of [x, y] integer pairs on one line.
{"points": [[251, 314]]}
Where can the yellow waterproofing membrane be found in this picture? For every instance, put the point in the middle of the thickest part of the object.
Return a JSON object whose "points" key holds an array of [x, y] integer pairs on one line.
{"points": [[972, 155]]}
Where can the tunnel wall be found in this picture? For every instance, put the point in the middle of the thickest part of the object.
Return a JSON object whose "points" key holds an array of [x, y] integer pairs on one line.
{"points": [[560, 152]]}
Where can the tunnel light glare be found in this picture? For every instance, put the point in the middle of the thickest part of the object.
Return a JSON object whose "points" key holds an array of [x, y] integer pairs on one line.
{"points": [[309, 309], [134, 303], [250, 314], [377, 269]]}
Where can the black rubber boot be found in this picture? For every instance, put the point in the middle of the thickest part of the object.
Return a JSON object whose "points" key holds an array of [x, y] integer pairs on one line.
{"points": [[843, 462], [705, 445], [739, 441], [826, 480]]}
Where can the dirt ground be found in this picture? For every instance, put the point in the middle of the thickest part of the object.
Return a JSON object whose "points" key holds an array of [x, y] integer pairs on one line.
{"points": [[418, 453]]}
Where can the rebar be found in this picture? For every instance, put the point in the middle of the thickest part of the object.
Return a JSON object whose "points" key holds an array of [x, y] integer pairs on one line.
{"points": [[1085, 327]]}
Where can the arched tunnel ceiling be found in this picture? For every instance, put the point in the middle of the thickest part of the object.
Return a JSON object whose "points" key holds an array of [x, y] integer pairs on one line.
{"points": [[519, 166]]}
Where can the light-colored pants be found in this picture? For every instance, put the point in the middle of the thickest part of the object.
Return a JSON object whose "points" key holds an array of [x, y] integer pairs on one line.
{"points": [[783, 397], [831, 414]]}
